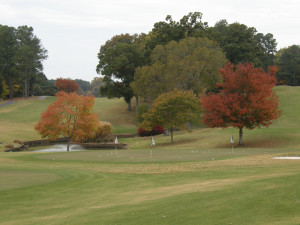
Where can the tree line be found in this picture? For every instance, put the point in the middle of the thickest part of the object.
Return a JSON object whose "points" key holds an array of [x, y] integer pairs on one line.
{"points": [[21, 66], [21, 57], [187, 55]]}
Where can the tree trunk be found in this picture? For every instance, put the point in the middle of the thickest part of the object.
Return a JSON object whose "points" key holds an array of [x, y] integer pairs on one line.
{"points": [[31, 89], [172, 135], [129, 106], [26, 87], [68, 144], [11, 87], [240, 136], [136, 103], [188, 126]]}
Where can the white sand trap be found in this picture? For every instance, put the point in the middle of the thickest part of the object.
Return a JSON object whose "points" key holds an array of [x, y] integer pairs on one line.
{"points": [[287, 157]]}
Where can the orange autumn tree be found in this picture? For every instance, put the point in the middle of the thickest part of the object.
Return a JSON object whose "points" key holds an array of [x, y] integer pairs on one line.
{"points": [[246, 99], [66, 85], [69, 116]]}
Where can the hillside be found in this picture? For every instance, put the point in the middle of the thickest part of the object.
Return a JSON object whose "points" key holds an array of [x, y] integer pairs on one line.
{"points": [[17, 122], [196, 180]]}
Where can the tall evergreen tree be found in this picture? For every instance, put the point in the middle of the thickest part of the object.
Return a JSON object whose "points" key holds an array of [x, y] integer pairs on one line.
{"points": [[8, 48], [30, 55]]}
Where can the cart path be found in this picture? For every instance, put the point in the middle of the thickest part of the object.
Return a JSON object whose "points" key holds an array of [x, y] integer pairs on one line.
{"points": [[12, 101]]}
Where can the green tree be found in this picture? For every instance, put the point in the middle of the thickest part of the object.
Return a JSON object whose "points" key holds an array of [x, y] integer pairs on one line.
{"points": [[190, 64], [163, 32], [268, 46], [96, 84], [193, 25], [29, 55], [172, 110], [243, 44], [118, 59], [83, 84], [288, 62], [8, 48], [3, 88]]}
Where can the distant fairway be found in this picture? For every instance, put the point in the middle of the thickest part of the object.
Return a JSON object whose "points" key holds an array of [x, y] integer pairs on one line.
{"points": [[196, 180]]}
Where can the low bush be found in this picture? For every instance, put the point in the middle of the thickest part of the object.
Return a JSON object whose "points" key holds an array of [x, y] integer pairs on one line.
{"points": [[18, 142], [104, 130], [9, 146]]}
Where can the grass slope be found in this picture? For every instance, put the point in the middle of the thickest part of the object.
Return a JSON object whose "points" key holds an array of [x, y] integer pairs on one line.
{"points": [[198, 180]]}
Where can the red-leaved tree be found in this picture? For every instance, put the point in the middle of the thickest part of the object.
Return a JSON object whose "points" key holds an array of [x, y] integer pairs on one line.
{"points": [[246, 99], [69, 116], [66, 85]]}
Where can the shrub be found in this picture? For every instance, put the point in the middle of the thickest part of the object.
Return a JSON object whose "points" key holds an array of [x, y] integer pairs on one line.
{"points": [[9, 146], [18, 142], [104, 130], [141, 110], [155, 131]]}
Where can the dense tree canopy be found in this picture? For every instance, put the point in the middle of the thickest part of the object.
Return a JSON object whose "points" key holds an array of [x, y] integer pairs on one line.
{"points": [[246, 99], [118, 59], [190, 64], [288, 61], [84, 86], [240, 42], [243, 44]]}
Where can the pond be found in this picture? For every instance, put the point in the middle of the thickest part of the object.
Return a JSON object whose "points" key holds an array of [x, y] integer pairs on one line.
{"points": [[60, 148]]}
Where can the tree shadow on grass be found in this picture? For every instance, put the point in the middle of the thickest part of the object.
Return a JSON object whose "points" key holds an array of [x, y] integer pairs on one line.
{"points": [[187, 141], [257, 144]]}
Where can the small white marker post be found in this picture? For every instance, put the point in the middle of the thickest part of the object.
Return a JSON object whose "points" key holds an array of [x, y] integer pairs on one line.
{"points": [[232, 141], [152, 144], [116, 148]]}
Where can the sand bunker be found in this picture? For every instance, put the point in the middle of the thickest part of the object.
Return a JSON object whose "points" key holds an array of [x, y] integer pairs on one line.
{"points": [[287, 157]]}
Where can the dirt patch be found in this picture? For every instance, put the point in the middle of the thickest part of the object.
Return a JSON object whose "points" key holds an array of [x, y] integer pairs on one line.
{"points": [[258, 160]]}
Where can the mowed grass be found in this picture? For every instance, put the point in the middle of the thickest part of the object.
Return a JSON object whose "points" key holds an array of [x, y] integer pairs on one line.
{"points": [[244, 190], [196, 180]]}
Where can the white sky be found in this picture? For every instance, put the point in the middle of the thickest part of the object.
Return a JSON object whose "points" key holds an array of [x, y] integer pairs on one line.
{"points": [[73, 31]]}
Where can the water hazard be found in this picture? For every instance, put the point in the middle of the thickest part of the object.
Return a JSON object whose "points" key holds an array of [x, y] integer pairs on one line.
{"points": [[61, 148]]}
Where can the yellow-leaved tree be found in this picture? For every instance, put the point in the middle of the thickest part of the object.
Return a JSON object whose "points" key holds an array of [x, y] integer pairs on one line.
{"points": [[172, 110]]}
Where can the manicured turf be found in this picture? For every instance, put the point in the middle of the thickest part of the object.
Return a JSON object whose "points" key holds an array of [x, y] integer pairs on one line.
{"points": [[80, 190], [196, 180]]}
